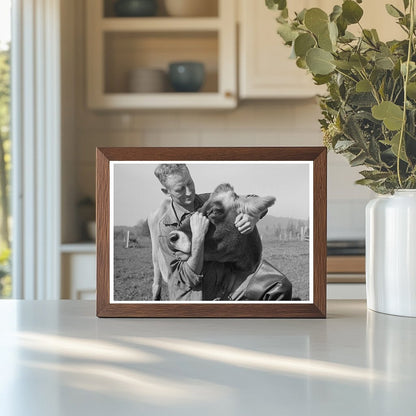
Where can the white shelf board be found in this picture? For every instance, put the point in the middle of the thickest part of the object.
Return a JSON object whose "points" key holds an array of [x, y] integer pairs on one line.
{"points": [[160, 24], [163, 100], [81, 247]]}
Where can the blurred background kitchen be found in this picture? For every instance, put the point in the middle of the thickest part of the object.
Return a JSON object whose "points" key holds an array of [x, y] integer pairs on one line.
{"points": [[188, 73]]}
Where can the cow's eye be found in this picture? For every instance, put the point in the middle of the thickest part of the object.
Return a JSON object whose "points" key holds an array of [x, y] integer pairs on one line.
{"points": [[215, 212]]}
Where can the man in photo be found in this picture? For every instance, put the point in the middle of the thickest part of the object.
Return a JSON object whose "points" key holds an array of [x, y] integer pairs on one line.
{"points": [[188, 279]]}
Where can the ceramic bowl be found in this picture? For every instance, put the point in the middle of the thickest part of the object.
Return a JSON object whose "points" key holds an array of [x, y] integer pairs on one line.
{"points": [[191, 8], [186, 76], [147, 80], [135, 8]]}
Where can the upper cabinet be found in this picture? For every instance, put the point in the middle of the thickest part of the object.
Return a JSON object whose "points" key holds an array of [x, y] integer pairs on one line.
{"points": [[265, 68], [129, 59]]}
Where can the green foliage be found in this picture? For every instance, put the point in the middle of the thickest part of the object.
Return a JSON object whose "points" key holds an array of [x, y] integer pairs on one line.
{"points": [[366, 117], [5, 281], [4, 88]]}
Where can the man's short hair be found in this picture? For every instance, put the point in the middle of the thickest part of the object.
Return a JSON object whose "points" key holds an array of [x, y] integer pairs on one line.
{"points": [[164, 170]]}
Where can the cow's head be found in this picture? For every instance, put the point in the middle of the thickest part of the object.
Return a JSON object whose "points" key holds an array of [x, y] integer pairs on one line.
{"points": [[223, 242]]}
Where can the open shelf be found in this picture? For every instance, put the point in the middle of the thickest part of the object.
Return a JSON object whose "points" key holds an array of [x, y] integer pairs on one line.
{"points": [[116, 46], [127, 51]]}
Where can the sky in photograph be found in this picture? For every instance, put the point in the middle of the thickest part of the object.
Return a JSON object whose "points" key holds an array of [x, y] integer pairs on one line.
{"points": [[137, 192]]}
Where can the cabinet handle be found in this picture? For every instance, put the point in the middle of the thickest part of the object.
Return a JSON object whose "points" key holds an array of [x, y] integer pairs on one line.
{"points": [[229, 94]]}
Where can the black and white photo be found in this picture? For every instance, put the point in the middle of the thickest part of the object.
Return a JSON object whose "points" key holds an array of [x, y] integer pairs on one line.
{"points": [[211, 231]]}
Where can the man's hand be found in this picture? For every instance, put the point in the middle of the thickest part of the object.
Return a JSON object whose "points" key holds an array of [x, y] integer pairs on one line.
{"points": [[245, 223], [199, 225]]}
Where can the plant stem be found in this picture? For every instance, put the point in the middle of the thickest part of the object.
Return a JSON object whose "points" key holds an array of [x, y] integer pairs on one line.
{"points": [[406, 79], [346, 75]]}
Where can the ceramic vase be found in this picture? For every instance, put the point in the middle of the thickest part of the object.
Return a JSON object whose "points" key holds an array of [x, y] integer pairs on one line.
{"points": [[391, 253]]}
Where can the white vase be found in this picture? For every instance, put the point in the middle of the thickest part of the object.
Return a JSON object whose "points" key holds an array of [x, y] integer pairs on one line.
{"points": [[391, 253]]}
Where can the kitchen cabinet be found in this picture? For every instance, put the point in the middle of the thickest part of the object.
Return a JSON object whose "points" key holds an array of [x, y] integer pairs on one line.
{"points": [[265, 69], [78, 262], [118, 45]]}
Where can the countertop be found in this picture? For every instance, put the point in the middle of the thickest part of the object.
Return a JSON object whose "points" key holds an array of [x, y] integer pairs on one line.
{"points": [[57, 358]]}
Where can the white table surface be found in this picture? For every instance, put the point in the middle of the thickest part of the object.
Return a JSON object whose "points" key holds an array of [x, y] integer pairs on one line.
{"points": [[57, 358]]}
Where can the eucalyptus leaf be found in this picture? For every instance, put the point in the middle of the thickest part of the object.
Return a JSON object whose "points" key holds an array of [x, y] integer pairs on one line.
{"points": [[287, 33], [369, 36], [391, 114], [363, 86], [394, 143], [343, 145], [316, 20], [374, 151], [384, 62], [281, 19], [301, 63], [365, 182], [333, 32], [375, 35], [358, 160], [347, 37], [393, 11], [342, 25], [276, 4], [412, 67], [301, 15], [336, 12], [325, 42], [303, 43], [345, 65], [406, 4], [351, 11], [353, 130], [374, 174], [321, 79], [320, 61], [411, 90], [358, 61]]}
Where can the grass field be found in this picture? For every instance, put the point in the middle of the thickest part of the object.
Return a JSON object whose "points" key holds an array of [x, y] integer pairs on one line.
{"points": [[133, 270]]}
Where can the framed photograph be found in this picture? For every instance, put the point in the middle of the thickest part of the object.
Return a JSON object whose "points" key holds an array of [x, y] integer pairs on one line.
{"points": [[211, 232]]}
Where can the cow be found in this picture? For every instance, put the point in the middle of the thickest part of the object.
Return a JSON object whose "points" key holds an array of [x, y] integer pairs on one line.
{"points": [[225, 244]]}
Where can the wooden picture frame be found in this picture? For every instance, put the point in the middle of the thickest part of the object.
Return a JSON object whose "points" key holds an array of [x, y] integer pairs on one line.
{"points": [[251, 160]]}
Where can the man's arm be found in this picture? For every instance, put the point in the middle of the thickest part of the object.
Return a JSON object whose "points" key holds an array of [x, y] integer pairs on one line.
{"points": [[186, 272], [199, 227]]}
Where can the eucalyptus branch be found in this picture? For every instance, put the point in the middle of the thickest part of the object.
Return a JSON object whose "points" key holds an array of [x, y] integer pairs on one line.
{"points": [[406, 79], [346, 75], [373, 88]]}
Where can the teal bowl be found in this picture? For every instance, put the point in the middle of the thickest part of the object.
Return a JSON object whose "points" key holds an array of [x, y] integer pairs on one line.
{"points": [[186, 76], [135, 8]]}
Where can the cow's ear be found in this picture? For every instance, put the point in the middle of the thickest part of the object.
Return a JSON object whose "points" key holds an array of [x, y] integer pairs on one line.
{"points": [[256, 205]]}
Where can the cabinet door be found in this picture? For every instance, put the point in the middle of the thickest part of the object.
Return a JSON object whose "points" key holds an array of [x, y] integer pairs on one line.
{"points": [[78, 276], [265, 68]]}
